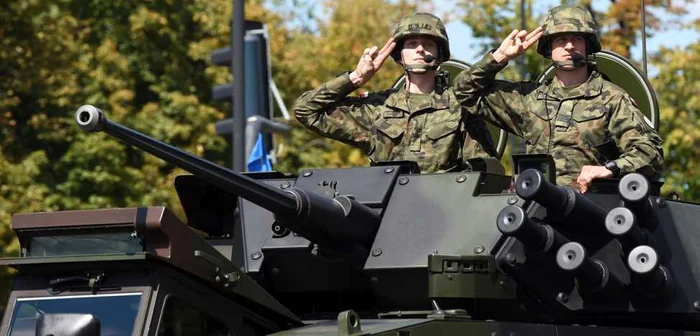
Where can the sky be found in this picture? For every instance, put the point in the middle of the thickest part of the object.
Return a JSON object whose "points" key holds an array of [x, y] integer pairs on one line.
{"points": [[468, 49], [470, 53]]}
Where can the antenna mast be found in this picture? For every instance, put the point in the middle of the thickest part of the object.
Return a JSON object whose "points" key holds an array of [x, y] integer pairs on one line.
{"points": [[644, 39]]}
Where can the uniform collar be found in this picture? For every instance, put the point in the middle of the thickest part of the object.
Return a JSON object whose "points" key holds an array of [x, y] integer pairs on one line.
{"points": [[399, 100], [553, 89]]}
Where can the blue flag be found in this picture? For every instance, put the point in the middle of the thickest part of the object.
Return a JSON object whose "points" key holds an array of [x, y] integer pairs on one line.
{"points": [[258, 160]]}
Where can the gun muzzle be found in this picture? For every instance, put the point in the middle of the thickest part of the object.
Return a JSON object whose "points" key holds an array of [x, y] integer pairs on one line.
{"points": [[622, 223], [564, 205], [512, 221], [649, 277], [593, 275], [634, 191]]}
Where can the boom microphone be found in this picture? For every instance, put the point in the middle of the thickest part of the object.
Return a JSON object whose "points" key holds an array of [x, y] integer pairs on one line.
{"points": [[578, 58], [422, 68]]}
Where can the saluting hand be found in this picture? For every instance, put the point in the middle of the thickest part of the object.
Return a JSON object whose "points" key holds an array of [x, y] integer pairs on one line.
{"points": [[516, 43], [370, 62]]}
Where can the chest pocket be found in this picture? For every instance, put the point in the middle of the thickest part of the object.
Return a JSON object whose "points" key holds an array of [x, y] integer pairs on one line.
{"points": [[537, 121], [442, 129], [443, 140], [590, 113], [542, 107], [591, 124], [441, 123], [392, 123]]}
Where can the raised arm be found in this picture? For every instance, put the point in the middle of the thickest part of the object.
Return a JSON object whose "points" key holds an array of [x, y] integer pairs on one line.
{"points": [[500, 102], [329, 111]]}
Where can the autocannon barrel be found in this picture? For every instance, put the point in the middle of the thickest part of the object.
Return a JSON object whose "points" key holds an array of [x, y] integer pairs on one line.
{"points": [[563, 203], [341, 222], [622, 223], [649, 277], [512, 221], [531, 185], [593, 275], [634, 190]]}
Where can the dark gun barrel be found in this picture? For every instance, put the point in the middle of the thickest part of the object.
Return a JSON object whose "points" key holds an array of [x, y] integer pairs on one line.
{"points": [[512, 221], [593, 275], [622, 223], [531, 185], [649, 277], [563, 203], [634, 190], [341, 222]]}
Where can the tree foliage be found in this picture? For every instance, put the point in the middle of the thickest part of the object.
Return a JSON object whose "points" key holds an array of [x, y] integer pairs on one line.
{"points": [[678, 88], [620, 24], [492, 21], [143, 63], [312, 57]]}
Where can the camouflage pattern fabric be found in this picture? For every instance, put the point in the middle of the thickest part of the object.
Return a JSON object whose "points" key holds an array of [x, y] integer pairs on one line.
{"points": [[571, 124], [568, 19], [433, 129], [421, 24]]}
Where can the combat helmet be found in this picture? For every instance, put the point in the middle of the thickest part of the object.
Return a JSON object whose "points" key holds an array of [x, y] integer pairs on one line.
{"points": [[422, 24], [568, 19]]}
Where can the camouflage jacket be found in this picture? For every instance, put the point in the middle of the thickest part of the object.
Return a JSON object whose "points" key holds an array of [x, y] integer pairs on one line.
{"points": [[584, 125], [433, 130]]}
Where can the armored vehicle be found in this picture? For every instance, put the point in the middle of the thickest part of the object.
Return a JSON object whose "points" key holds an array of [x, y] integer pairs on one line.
{"points": [[380, 250]]}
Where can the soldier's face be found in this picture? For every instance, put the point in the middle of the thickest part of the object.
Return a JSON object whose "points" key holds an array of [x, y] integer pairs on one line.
{"points": [[565, 45], [415, 49]]}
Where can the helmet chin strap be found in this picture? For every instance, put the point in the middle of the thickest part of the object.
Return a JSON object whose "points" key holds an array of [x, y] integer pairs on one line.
{"points": [[577, 61], [422, 68]]}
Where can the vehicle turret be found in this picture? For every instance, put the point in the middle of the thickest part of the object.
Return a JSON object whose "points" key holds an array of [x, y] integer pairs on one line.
{"points": [[379, 250], [338, 223]]}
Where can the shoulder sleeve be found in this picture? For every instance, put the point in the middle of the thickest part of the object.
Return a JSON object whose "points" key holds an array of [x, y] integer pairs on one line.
{"points": [[639, 144], [329, 111], [500, 102]]}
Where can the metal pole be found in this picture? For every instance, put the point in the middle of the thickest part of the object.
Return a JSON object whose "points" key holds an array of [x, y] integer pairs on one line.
{"points": [[517, 143], [644, 39], [238, 67], [521, 60]]}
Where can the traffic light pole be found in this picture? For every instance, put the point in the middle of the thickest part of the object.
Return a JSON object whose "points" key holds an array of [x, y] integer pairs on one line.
{"points": [[238, 68]]}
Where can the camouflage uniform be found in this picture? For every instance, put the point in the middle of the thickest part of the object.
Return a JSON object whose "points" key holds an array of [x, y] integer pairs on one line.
{"points": [[573, 124], [431, 129]]}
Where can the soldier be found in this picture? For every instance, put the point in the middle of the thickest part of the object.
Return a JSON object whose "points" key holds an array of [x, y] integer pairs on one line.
{"points": [[420, 122], [590, 126]]}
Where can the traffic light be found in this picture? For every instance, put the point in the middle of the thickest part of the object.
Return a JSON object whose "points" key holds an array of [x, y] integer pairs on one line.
{"points": [[257, 72], [257, 100]]}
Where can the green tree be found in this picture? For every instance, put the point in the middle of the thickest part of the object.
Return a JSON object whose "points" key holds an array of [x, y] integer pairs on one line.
{"points": [[143, 63], [620, 23], [338, 41], [678, 86], [492, 21]]}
